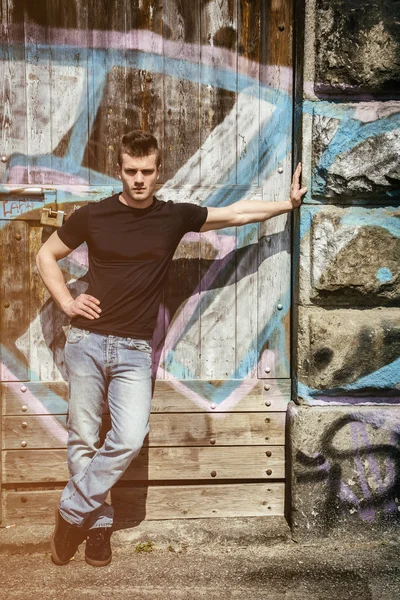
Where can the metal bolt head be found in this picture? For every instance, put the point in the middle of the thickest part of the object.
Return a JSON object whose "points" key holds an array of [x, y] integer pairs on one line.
{"points": [[268, 403], [267, 370], [213, 473], [280, 170], [268, 453], [212, 441], [18, 236], [267, 387], [24, 408], [6, 305], [24, 425], [3, 158], [213, 406], [269, 471], [281, 27], [24, 444], [279, 306], [23, 388], [268, 420], [24, 499]]}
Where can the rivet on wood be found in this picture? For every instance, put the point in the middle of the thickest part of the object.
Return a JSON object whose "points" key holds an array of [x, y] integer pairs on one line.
{"points": [[268, 403], [18, 236], [212, 441], [24, 408], [267, 438], [24, 425], [3, 158], [24, 444], [23, 388], [269, 507], [213, 405], [24, 499], [269, 472], [268, 453], [280, 170], [264, 502], [268, 420], [281, 27], [280, 306], [6, 305], [213, 473], [267, 387], [267, 370]]}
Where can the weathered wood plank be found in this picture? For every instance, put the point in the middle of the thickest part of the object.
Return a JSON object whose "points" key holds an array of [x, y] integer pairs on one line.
{"points": [[182, 312], [275, 160], [39, 122], [14, 299], [36, 398], [191, 429], [181, 27], [12, 89], [218, 40], [106, 90], [68, 88], [159, 502], [237, 462]]}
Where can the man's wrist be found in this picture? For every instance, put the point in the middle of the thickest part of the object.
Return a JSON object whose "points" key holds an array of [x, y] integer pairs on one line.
{"points": [[65, 305]]}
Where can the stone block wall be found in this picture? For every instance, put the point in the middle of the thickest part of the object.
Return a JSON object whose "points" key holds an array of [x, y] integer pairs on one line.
{"points": [[344, 424]]}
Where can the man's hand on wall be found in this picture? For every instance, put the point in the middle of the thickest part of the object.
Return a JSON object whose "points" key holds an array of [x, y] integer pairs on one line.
{"points": [[296, 192]]}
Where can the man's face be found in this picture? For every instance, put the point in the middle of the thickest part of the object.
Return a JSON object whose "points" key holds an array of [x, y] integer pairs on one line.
{"points": [[139, 176]]}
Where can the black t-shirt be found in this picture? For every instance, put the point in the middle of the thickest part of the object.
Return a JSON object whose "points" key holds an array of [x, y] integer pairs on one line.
{"points": [[130, 250]]}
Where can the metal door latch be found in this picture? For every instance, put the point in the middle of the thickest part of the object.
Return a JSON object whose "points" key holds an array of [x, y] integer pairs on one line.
{"points": [[51, 217]]}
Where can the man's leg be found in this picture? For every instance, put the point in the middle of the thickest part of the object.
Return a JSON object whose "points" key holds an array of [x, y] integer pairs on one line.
{"points": [[129, 400], [87, 381], [128, 364]]}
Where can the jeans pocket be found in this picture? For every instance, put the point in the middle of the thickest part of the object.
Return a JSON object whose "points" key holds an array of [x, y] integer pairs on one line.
{"points": [[141, 345], [74, 335]]}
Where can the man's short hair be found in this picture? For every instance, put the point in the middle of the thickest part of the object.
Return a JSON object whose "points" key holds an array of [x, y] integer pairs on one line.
{"points": [[139, 143]]}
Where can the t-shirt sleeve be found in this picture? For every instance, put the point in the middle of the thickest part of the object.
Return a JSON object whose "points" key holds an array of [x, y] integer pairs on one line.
{"points": [[75, 229], [193, 216]]}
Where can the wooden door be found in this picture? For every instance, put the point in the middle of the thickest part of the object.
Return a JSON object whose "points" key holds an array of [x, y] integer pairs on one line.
{"points": [[213, 81]]}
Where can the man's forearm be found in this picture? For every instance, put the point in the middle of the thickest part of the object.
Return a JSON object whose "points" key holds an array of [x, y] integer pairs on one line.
{"points": [[53, 279], [254, 211]]}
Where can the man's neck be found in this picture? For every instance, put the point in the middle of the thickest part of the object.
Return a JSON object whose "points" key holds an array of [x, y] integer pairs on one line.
{"points": [[128, 201]]}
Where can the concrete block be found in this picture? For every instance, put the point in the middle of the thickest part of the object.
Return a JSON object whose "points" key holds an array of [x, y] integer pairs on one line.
{"points": [[357, 46], [350, 257], [355, 352], [344, 471], [355, 149]]}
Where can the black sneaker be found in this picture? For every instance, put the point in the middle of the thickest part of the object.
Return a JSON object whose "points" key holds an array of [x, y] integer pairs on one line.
{"points": [[98, 546], [65, 540]]}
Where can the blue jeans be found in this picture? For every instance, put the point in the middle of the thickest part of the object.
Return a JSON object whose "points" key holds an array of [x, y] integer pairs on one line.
{"points": [[101, 367]]}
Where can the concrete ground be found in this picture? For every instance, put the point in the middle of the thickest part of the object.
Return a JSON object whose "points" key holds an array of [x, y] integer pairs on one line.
{"points": [[249, 559]]}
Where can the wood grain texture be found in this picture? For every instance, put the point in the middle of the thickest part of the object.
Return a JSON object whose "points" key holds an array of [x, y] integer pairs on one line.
{"points": [[188, 396], [185, 429], [68, 90], [181, 25], [159, 502], [14, 299], [13, 132], [237, 462], [107, 77]]}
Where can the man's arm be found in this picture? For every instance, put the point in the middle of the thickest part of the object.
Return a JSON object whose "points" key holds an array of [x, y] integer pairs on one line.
{"points": [[253, 211], [52, 251]]}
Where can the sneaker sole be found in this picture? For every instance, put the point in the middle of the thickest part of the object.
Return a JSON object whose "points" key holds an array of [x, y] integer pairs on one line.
{"points": [[97, 563]]}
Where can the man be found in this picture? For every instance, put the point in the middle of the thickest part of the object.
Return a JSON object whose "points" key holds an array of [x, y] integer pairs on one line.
{"points": [[131, 240]]}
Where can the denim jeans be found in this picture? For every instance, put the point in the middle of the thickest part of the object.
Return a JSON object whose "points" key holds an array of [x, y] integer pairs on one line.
{"points": [[101, 367]]}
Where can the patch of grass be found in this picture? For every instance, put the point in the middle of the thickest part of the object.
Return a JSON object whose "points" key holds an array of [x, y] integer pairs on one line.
{"points": [[145, 547]]}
